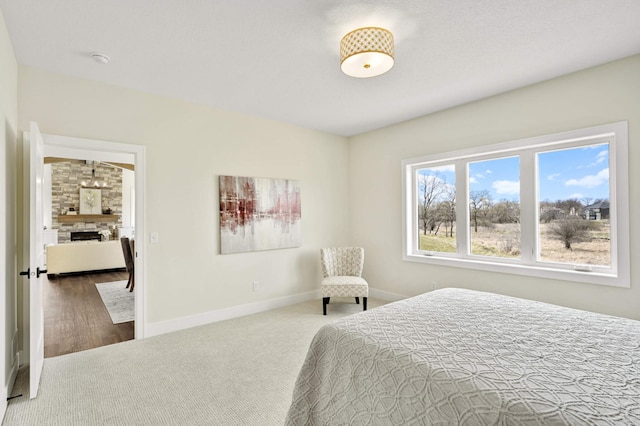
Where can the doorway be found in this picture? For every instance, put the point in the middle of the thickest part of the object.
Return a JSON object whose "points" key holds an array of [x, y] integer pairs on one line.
{"points": [[86, 298], [81, 149]]}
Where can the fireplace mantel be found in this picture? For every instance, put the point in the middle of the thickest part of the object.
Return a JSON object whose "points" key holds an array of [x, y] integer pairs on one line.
{"points": [[72, 218]]}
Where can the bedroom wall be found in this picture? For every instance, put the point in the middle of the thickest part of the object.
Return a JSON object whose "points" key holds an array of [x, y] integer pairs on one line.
{"points": [[187, 147], [600, 95], [8, 251]]}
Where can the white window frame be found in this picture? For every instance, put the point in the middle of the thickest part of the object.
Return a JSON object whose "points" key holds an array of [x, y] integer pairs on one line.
{"points": [[615, 134]]}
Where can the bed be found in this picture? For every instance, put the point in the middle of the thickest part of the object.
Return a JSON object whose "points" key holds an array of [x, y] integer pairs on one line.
{"points": [[462, 357]]}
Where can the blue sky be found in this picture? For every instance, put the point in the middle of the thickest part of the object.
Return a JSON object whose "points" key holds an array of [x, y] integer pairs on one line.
{"points": [[575, 173], [571, 173]]}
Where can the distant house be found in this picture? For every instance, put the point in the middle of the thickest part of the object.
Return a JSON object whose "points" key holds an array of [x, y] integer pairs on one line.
{"points": [[597, 211]]}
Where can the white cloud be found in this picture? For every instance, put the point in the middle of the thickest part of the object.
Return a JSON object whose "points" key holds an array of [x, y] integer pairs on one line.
{"points": [[506, 186], [590, 181], [576, 195], [488, 172], [553, 176], [448, 168], [602, 156], [442, 169], [473, 180]]}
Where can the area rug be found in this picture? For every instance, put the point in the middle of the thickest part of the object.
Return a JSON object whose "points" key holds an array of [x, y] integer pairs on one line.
{"points": [[118, 300]]}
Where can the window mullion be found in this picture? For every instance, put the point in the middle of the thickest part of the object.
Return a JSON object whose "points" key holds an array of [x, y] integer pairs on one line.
{"points": [[528, 207], [462, 208]]}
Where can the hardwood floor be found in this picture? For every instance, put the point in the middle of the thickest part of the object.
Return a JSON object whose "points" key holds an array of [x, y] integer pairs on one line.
{"points": [[75, 319]]}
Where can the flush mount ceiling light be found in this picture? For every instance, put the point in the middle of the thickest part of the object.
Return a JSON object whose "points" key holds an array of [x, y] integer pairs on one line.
{"points": [[100, 57], [366, 52]]}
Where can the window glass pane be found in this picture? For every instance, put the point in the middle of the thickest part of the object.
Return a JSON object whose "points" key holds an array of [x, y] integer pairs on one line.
{"points": [[494, 207], [437, 208], [573, 189]]}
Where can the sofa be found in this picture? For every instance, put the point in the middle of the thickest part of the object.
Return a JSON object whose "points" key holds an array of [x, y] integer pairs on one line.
{"points": [[84, 256]]}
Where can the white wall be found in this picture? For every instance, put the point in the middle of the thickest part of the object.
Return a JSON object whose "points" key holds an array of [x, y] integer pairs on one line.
{"points": [[187, 147], [8, 249], [600, 95], [128, 198]]}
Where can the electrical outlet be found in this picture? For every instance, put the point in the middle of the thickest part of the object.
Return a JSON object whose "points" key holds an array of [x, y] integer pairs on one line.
{"points": [[256, 285], [433, 285]]}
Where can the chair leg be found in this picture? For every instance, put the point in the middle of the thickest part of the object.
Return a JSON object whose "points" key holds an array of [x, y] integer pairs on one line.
{"points": [[325, 301], [128, 282], [364, 303], [357, 300], [133, 281]]}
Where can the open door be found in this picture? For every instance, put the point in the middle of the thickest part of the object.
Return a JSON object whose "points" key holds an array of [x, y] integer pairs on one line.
{"points": [[36, 258]]}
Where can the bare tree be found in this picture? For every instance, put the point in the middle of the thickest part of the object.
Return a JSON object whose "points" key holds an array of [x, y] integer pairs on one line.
{"points": [[586, 201], [448, 210], [570, 207], [549, 214], [570, 230], [505, 211], [431, 187], [479, 203]]}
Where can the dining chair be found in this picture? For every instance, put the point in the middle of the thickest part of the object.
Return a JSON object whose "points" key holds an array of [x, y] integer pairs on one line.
{"points": [[128, 252]]}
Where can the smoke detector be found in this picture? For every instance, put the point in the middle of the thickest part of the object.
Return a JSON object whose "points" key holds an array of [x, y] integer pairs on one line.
{"points": [[100, 57]]}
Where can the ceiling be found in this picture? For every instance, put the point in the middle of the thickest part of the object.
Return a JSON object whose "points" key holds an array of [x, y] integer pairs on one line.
{"points": [[279, 59]]}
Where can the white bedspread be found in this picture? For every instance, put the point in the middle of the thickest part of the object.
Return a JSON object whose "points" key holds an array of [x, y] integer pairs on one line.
{"points": [[460, 357]]}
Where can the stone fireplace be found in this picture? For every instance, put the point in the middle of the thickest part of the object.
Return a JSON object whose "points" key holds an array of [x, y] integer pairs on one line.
{"points": [[85, 235], [66, 180]]}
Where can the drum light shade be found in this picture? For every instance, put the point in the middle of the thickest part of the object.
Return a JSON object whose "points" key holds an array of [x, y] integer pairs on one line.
{"points": [[366, 52]]}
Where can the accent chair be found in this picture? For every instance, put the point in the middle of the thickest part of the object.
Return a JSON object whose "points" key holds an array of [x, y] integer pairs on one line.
{"points": [[342, 272]]}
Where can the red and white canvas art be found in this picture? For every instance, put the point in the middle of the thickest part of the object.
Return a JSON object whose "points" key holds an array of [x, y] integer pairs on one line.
{"points": [[259, 214]]}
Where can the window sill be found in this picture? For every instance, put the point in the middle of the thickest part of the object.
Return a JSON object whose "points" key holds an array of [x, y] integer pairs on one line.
{"points": [[537, 271]]}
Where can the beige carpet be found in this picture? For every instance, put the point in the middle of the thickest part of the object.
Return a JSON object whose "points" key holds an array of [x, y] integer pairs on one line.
{"points": [[235, 372]]}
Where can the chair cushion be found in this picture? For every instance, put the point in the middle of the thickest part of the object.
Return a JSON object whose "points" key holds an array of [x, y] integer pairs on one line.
{"points": [[344, 286]]}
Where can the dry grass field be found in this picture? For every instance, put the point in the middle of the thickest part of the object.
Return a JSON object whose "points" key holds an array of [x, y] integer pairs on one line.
{"points": [[503, 240]]}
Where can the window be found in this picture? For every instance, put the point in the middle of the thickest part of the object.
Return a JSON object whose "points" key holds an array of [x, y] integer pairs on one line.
{"points": [[494, 207], [554, 206], [436, 207]]}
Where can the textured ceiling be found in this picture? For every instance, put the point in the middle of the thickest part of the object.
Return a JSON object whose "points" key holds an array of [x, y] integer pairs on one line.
{"points": [[279, 59]]}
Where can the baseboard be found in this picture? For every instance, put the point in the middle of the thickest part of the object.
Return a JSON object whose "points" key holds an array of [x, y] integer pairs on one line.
{"points": [[8, 389], [14, 363], [162, 327], [385, 295], [3, 406], [13, 373]]}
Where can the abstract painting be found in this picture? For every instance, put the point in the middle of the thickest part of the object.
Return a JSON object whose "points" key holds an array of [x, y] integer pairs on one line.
{"points": [[259, 214]]}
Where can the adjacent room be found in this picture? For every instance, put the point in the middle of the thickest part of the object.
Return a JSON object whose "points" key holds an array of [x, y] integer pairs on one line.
{"points": [[88, 301], [479, 157]]}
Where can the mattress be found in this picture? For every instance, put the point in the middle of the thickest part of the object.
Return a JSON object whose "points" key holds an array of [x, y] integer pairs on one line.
{"points": [[461, 357]]}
